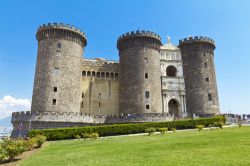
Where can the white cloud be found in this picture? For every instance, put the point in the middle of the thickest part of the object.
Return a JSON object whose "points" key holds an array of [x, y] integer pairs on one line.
{"points": [[10, 104]]}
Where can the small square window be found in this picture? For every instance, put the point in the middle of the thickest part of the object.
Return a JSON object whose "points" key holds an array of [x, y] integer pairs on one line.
{"points": [[207, 79], [55, 89], [146, 94], [146, 60], [209, 97], [54, 101], [82, 104], [146, 75], [58, 53], [147, 107], [57, 70]]}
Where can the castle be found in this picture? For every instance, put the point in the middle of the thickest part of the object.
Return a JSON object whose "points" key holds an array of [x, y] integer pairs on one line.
{"points": [[151, 82]]}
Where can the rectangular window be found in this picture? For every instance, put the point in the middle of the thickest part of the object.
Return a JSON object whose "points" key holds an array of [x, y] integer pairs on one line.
{"points": [[207, 79], [209, 97], [83, 73], [146, 60], [146, 75], [55, 89], [146, 94], [107, 75], [59, 45], [147, 106], [54, 101], [205, 65], [82, 104], [102, 74]]}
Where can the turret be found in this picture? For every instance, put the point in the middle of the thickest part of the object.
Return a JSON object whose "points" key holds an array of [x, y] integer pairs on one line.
{"points": [[57, 77], [140, 83], [200, 79]]}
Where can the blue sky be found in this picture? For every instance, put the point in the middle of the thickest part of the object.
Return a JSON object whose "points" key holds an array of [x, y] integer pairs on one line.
{"points": [[226, 21]]}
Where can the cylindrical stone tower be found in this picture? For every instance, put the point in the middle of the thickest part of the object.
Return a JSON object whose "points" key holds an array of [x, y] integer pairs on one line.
{"points": [[57, 77], [140, 75], [199, 72]]}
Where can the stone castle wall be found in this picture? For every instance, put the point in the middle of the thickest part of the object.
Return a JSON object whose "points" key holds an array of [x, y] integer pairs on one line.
{"points": [[57, 78], [100, 87], [140, 83], [200, 79], [72, 91], [25, 121]]}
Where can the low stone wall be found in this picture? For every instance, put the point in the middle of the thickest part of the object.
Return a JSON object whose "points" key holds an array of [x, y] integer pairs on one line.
{"points": [[25, 121]]}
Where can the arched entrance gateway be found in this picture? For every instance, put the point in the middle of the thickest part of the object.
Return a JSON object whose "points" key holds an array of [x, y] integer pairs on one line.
{"points": [[173, 107]]}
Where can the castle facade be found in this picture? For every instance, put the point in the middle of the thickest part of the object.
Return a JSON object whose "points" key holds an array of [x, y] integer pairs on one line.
{"points": [[151, 82]]}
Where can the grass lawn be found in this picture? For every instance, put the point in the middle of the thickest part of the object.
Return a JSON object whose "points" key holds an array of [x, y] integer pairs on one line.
{"points": [[230, 146]]}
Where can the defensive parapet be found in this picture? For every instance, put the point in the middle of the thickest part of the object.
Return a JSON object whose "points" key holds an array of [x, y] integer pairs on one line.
{"points": [[197, 42], [25, 121], [99, 62], [140, 40], [200, 79], [60, 30], [140, 84]]}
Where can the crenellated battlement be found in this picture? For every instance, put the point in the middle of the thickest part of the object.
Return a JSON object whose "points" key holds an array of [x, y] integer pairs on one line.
{"points": [[99, 62], [60, 30], [196, 39], [88, 118], [139, 33], [139, 39], [197, 43]]}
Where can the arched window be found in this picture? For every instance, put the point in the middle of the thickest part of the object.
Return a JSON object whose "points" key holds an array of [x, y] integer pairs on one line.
{"points": [[171, 71]]}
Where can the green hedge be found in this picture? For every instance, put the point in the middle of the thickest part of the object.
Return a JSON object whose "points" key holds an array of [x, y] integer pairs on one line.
{"points": [[122, 129]]}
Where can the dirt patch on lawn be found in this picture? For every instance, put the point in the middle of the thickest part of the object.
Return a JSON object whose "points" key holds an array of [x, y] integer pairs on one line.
{"points": [[24, 156]]}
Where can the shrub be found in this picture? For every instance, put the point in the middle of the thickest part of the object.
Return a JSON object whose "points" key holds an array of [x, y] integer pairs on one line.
{"points": [[13, 148], [3, 154], [211, 126], [94, 136], [85, 136], [30, 143], [40, 139], [219, 124], [162, 130], [121, 129], [199, 127], [77, 136], [150, 130], [173, 129]]}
